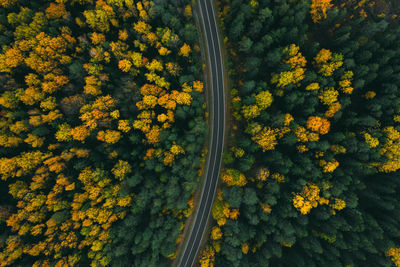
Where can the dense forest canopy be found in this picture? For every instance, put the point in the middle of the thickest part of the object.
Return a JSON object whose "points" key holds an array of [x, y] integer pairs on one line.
{"points": [[102, 128], [311, 171]]}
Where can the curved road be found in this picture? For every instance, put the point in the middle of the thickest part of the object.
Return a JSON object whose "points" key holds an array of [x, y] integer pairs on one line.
{"points": [[217, 122]]}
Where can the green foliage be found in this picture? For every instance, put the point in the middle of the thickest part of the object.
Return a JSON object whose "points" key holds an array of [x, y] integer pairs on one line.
{"points": [[321, 188]]}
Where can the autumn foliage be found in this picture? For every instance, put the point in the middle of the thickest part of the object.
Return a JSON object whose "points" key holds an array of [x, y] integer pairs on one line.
{"points": [[92, 110]]}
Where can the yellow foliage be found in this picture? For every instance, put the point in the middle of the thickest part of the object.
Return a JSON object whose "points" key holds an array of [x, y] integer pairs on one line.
{"points": [[295, 59], [124, 65], [64, 133], [328, 96], [177, 149], [7, 168], [318, 9], [121, 169], [8, 3], [254, 3], [337, 149], [266, 139], [234, 214], [263, 99], [80, 153], [308, 198], [55, 164], [216, 233], [123, 125], [301, 148], [238, 152], [287, 119], [188, 11], [92, 86], [323, 56], [109, 136], [35, 120], [207, 257], [162, 117], [123, 34], [51, 116], [183, 98], [168, 158], [48, 104], [329, 166], [164, 52], [266, 208], [18, 127], [153, 136], [288, 77], [394, 253], [280, 178], [263, 174], [245, 248], [250, 112], [312, 87], [14, 57], [233, 177], [297, 62], [185, 50], [9, 141], [371, 141], [338, 204], [97, 38], [333, 108], [34, 140], [345, 86], [391, 150], [114, 114], [370, 95], [54, 83], [154, 65], [327, 62], [198, 86], [141, 27], [80, 133]]}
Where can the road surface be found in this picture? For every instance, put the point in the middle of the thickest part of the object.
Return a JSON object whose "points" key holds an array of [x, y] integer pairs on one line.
{"points": [[217, 122]]}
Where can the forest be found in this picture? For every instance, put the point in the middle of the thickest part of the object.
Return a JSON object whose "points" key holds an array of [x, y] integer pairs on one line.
{"points": [[311, 169], [102, 131]]}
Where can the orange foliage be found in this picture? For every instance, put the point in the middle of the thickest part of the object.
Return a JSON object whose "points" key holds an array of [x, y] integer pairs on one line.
{"points": [[318, 124], [333, 108], [153, 135], [80, 133], [97, 38], [14, 57], [34, 140], [124, 65], [55, 11]]}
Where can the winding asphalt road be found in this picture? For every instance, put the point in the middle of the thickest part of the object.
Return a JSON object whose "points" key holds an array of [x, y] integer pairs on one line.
{"points": [[217, 123]]}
